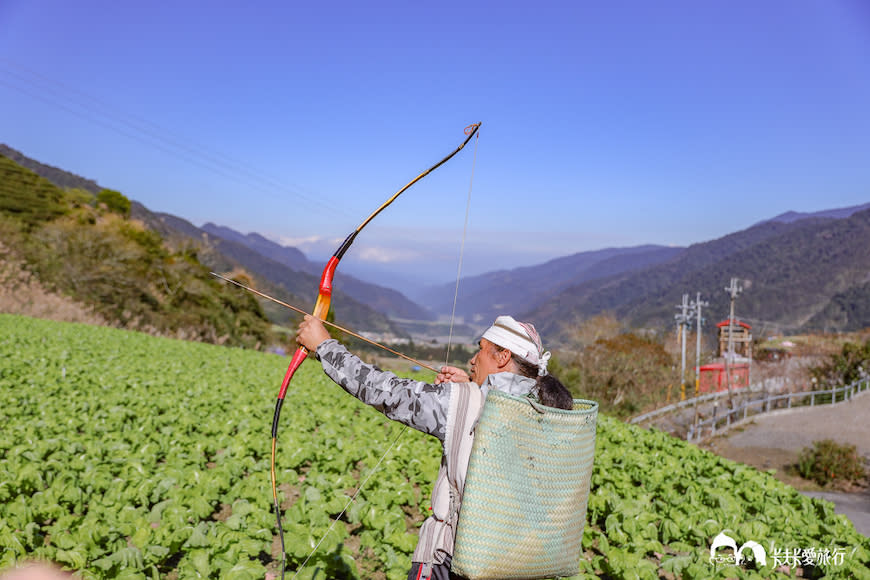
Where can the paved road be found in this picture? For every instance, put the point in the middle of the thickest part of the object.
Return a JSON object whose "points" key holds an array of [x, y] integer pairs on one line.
{"points": [[775, 439], [797, 428]]}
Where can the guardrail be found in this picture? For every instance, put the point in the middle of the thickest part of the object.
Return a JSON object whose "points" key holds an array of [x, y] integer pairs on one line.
{"points": [[675, 406], [771, 403]]}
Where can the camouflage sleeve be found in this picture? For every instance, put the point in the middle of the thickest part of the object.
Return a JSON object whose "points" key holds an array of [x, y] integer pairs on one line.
{"points": [[420, 405]]}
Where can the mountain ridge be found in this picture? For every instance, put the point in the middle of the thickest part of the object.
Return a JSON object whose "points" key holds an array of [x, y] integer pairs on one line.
{"points": [[791, 272], [59, 177], [837, 213], [293, 286], [485, 296], [385, 300], [801, 271]]}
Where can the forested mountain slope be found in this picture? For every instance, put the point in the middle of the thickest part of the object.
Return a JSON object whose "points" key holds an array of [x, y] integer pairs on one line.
{"points": [[276, 279], [53, 189], [86, 247], [384, 300], [796, 275], [482, 298]]}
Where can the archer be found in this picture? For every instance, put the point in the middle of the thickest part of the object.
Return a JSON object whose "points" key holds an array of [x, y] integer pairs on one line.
{"points": [[511, 359]]}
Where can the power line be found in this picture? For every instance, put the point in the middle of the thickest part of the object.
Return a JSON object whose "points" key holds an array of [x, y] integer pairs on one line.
{"points": [[98, 112]]}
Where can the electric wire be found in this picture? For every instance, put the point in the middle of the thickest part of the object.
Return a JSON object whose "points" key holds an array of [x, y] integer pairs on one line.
{"points": [[98, 112]]}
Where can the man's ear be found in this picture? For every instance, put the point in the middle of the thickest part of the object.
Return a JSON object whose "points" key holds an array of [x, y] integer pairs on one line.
{"points": [[503, 358]]}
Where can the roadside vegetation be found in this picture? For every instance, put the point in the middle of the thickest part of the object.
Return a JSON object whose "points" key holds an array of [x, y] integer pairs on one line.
{"points": [[848, 365], [830, 463], [625, 372]]}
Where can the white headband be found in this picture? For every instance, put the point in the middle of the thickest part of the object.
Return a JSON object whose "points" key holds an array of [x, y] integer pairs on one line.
{"points": [[520, 338]]}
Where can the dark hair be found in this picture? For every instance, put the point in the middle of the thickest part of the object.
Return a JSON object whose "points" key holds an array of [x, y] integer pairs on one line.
{"points": [[549, 390]]}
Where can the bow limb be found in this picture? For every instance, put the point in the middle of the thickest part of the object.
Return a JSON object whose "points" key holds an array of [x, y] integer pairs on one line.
{"points": [[324, 297], [321, 308]]}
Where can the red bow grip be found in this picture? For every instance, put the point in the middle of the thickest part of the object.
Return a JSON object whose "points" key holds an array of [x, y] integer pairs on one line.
{"points": [[321, 308]]}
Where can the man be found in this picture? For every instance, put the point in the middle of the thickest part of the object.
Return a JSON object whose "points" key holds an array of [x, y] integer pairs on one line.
{"points": [[511, 359]]}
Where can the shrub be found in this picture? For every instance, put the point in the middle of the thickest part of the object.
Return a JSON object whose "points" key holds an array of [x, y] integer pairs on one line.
{"points": [[828, 461], [115, 201], [845, 367], [624, 373]]}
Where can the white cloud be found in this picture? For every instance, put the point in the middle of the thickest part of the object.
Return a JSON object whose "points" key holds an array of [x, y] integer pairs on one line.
{"points": [[383, 255], [310, 245], [297, 241]]}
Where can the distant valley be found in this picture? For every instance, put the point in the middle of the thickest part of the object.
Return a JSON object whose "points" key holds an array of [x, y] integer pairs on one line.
{"points": [[800, 272]]}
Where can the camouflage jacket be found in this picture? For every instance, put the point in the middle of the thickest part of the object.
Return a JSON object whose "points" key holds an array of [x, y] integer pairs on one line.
{"points": [[416, 404], [425, 407]]}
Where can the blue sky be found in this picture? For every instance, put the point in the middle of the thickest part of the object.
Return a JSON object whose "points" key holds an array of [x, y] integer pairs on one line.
{"points": [[604, 123]]}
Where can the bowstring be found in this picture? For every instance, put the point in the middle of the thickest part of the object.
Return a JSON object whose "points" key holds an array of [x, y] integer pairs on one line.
{"points": [[461, 251], [351, 500], [447, 360]]}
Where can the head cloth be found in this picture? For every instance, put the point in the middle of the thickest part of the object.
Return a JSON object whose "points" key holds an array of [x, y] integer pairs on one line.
{"points": [[520, 338]]}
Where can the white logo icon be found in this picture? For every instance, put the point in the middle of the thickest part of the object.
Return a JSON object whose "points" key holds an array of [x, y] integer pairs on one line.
{"points": [[725, 541]]}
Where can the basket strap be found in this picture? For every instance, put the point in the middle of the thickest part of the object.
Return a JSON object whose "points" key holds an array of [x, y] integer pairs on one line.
{"points": [[465, 409]]}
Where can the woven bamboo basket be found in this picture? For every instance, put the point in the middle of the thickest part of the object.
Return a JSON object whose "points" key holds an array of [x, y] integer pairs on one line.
{"points": [[524, 504]]}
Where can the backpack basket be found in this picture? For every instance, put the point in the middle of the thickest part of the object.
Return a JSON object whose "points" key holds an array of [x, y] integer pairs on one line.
{"points": [[524, 503]]}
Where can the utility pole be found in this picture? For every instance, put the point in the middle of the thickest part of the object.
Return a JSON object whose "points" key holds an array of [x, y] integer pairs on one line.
{"points": [[682, 322], [733, 290], [695, 308]]}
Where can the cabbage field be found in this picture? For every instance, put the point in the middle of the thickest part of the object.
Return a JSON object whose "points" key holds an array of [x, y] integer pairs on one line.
{"points": [[128, 456]]}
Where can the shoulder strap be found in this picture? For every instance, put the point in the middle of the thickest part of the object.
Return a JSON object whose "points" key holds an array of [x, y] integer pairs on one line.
{"points": [[465, 408]]}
